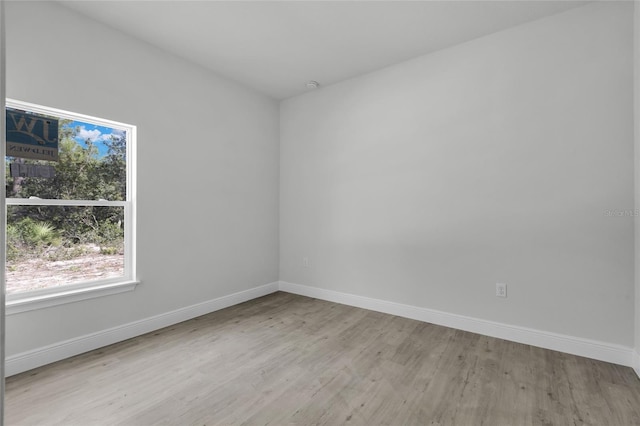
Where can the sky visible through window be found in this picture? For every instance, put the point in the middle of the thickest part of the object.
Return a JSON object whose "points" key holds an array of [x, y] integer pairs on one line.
{"points": [[97, 134]]}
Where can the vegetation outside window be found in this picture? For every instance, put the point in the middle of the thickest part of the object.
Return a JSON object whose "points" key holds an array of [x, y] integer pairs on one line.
{"points": [[70, 203]]}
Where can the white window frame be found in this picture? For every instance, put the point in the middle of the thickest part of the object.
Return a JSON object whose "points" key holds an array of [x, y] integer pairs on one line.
{"points": [[37, 299]]}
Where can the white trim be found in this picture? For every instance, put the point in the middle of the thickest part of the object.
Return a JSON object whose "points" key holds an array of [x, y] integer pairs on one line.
{"points": [[49, 111], [615, 354], [44, 293], [51, 202], [636, 146], [55, 352], [62, 295], [130, 209], [573, 345]]}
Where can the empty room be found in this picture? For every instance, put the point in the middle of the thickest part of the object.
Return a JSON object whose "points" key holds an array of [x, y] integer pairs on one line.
{"points": [[320, 212]]}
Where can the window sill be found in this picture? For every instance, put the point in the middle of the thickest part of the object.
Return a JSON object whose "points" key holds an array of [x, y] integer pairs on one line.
{"points": [[30, 303]]}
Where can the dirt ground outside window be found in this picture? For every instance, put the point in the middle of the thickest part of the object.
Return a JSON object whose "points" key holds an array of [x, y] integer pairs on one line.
{"points": [[35, 274]]}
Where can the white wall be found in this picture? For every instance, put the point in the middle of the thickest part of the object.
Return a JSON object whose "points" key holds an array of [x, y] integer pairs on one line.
{"points": [[493, 161], [636, 49], [204, 233], [424, 183]]}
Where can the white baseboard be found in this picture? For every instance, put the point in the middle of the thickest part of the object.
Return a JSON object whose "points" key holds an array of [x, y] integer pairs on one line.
{"points": [[636, 362], [35, 358], [573, 345], [615, 354]]}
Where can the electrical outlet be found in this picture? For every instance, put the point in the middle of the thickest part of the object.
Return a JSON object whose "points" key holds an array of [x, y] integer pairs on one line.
{"points": [[501, 290], [305, 262]]}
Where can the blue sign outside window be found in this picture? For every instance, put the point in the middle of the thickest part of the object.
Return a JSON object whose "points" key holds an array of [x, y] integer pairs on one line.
{"points": [[31, 136]]}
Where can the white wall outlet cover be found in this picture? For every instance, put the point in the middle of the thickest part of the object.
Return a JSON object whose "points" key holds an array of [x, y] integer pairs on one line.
{"points": [[501, 290]]}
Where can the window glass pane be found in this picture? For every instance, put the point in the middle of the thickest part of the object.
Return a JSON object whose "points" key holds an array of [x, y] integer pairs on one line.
{"points": [[91, 163], [49, 246]]}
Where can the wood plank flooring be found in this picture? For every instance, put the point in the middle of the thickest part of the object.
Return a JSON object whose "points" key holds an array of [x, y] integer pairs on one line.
{"points": [[285, 359]]}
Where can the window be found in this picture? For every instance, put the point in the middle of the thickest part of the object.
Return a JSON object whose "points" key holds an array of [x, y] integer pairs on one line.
{"points": [[70, 195]]}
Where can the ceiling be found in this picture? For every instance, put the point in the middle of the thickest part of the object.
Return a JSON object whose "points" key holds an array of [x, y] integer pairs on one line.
{"points": [[275, 47]]}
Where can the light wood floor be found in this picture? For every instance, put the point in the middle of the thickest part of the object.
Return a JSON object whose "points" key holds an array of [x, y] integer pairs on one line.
{"points": [[285, 359]]}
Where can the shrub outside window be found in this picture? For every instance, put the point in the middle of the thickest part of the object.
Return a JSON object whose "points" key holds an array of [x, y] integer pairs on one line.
{"points": [[70, 198]]}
